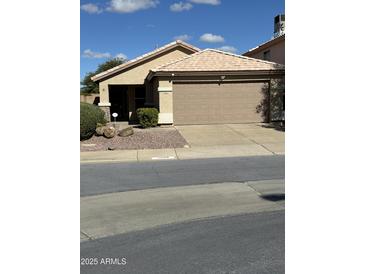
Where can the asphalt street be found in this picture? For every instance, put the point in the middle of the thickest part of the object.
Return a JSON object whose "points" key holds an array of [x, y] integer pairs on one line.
{"points": [[249, 243], [116, 177]]}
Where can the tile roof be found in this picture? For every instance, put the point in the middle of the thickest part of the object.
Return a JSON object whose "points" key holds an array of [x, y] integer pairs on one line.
{"points": [[216, 60], [144, 57]]}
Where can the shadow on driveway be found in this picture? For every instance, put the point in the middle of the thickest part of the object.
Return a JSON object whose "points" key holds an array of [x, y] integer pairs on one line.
{"points": [[274, 197]]}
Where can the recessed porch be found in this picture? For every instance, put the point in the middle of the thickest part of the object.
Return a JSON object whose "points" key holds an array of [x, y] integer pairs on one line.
{"points": [[124, 100]]}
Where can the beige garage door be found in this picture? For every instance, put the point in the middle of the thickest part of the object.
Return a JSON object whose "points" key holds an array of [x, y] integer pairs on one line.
{"points": [[211, 103]]}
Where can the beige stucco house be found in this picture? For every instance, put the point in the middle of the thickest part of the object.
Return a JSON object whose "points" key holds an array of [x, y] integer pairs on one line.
{"points": [[188, 86]]}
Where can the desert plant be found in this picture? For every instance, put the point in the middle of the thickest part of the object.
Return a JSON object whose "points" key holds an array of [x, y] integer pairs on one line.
{"points": [[271, 106], [90, 115], [147, 117]]}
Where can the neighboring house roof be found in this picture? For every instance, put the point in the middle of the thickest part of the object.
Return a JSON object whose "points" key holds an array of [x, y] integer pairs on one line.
{"points": [[144, 57], [210, 60], [265, 45]]}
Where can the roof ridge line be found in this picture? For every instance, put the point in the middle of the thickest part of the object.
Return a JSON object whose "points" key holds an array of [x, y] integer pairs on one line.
{"points": [[178, 60], [216, 60], [246, 57]]}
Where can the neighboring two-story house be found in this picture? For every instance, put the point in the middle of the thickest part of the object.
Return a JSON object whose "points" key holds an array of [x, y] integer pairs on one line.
{"points": [[274, 49]]}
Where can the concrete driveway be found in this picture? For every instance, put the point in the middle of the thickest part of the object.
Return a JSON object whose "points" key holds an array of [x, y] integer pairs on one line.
{"points": [[253, 136]]}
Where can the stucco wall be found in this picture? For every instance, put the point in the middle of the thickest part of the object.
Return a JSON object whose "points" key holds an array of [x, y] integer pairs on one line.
{"points": [[104, 92], [165, 102]]}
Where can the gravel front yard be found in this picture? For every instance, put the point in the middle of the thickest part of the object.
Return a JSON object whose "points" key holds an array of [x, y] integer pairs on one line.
{"points": [[141, 139]]}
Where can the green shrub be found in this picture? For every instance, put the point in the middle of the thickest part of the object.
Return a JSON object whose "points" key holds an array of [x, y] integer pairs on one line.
{"points": [[147, 117], [90, 116]]}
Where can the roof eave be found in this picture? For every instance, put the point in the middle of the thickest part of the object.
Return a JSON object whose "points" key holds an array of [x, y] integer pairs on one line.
{"points": [[273, 72]]}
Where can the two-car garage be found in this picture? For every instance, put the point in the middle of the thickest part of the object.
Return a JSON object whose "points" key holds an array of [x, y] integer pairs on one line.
{"points": [[217, 102], [216, 87]]}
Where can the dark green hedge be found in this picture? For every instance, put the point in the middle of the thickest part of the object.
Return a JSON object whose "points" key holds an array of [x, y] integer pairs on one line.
{"points": [[147, 117], [90, 115]]}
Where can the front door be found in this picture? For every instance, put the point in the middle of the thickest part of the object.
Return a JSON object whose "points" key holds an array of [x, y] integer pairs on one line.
{"points": [[118, 98]]}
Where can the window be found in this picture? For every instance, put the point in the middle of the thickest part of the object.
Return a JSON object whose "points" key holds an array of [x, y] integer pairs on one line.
{"points": [[267, 55]]}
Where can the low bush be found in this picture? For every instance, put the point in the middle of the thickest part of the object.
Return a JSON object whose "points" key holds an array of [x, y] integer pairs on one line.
{"points": [[90, 116], [147, 117]]}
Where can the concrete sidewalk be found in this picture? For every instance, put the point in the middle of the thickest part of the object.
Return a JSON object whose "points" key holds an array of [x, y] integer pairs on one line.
{"points": [[121, 212], [203, 152]]}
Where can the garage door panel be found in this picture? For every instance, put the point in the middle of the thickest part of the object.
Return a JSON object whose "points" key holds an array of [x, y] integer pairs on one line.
{"points": [[211, 103]]}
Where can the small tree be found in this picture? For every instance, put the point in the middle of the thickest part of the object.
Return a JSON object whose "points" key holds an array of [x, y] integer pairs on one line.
{"points": [[111, 63], [88, 85], [272, 104]]}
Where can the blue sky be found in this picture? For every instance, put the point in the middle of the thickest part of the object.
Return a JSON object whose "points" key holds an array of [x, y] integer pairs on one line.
{"points": [[133, 27]]}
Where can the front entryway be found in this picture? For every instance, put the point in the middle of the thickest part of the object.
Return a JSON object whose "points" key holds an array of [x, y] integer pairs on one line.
{"points": [[125, 100], [118, 96]]}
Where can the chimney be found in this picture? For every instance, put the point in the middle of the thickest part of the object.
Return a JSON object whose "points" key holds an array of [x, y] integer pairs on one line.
{"points": [[279, 25]]}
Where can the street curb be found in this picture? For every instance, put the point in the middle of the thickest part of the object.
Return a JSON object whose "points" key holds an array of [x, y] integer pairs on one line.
{"points": [[175, 159]]}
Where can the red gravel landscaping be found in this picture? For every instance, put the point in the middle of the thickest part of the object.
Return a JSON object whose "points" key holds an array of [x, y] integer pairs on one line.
{"points": [[150, 138]]}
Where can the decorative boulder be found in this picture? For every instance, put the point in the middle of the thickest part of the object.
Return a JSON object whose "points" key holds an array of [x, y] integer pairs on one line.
{"points": [[99, 131], [126, 132], [109, 132]]}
